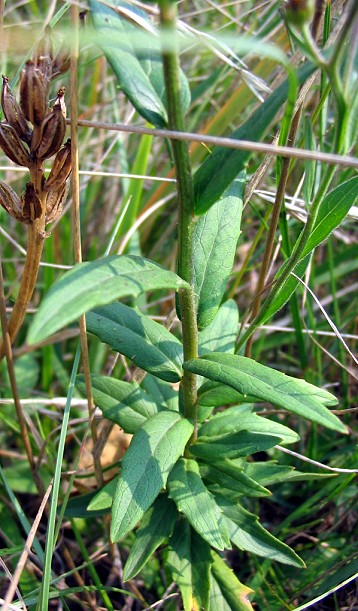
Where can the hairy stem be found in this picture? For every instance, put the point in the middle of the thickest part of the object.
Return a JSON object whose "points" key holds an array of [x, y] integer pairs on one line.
{"points": [[185, 208]]}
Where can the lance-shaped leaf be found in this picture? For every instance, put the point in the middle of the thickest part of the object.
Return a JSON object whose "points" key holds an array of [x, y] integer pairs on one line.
{"points": [[154, 450], [161, 391], [253, 379], [157, 526], [189, 561], [240, 418], [137, 63], [227, 593], [104, 497], [193, 499], [214, 246], [220, 335], [332, 211], [247, 534], [92, 284], [230, 475], [125, 403], [269, 473], [234, 445], [220, 168], [147, 343]]}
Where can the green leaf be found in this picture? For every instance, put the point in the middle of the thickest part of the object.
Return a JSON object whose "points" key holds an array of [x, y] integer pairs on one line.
{"points": [[214, 246], [214, 394], [227, 593], [161, 391], [220, 335], [270, 473], [157, 526], [138, 67], [243, 443], [189, 561], [147, 343], [251, 378], [77, 506], [220, 168], [247, 534], [332, 211], [193, 499], [229, 475], [154, 450], [104, 497], [125, 403], [240, 418], [92, 284]]}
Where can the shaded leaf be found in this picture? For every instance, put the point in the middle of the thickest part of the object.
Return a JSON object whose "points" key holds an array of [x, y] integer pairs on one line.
{"points": [[227, 593], [240, 418], [103, 499], [247, 534], [157, 525], [220, 335], [92, 284], [189, 561], [154, 450], [147, 343], [243, 443], [230, 475], [214, 246], [270, 473], [266, 384], [125, 403], [161, 391], [193, 499]]}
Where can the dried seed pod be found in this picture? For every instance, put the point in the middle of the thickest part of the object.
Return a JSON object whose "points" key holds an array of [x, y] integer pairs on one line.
{"points": [[10, 201], [60, 101], [12, 146], [43, 56], [61, 168], [50, 137], [61, 63], [55, 201], [34, 88], [31, 204], [13, 113]]}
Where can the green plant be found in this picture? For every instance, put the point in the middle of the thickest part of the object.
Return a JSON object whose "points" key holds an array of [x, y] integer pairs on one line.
{"points": [[190, 476]]}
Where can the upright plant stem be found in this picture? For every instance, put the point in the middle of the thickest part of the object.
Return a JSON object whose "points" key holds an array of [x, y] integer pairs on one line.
{"points": [[185, 192]]}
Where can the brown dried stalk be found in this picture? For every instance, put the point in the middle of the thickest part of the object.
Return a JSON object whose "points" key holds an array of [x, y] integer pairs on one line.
{"points": [[42, 200]]}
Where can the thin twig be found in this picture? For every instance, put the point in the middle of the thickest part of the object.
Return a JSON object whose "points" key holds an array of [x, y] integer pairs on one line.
{"points": [[244, 145], [26, 551], [76, 225]]}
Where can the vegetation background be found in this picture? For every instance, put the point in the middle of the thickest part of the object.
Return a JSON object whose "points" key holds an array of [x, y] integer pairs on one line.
{"points": [[313, 337]]}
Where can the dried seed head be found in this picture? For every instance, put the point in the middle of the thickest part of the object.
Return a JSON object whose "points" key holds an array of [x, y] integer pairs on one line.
{"points": [[13, 113], [60, 101], [47, 141], [34, 89], [61, 63], [31, 204], [10, 201], [61, 168], [43, 56], [12, 146], [55, 201]]}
